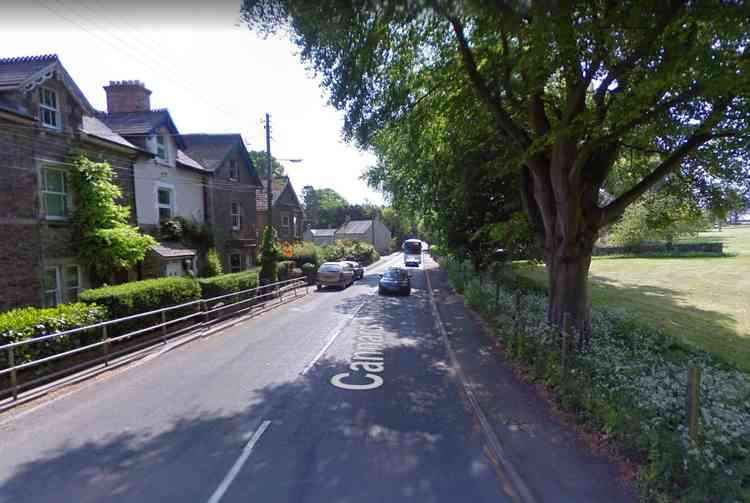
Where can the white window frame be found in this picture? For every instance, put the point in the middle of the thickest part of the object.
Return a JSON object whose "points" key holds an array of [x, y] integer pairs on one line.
{"points": [[56, 290], [285, 220], [65, 193], [54, 109], [239, 258], [233, 174], [163, 146], [160, 205], [235, 211]]}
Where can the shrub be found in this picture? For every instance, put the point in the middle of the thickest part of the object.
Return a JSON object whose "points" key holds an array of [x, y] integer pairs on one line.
{"points": [[142, 296], [284, 269], [303, 253], [29, 322], [364, 253], [270, 253], [213, 264], [630, 383], [228, 283], [309, 268]]}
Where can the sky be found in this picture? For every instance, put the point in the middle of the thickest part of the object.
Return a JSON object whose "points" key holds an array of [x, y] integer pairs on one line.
{"points": [[211, 72]]}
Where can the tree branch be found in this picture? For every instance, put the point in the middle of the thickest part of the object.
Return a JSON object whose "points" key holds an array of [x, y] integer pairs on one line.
{"points": [[502, 117]]}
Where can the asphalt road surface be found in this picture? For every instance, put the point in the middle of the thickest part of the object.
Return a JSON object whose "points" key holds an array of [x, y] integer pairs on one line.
{"points": [[342, 396]]}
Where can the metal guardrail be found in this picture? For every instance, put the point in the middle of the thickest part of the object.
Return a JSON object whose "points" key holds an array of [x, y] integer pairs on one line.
{"points": [[206, 307]]}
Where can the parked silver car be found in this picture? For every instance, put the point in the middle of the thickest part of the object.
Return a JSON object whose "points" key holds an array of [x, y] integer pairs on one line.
{"points": [[338, 274], [359, 271]]}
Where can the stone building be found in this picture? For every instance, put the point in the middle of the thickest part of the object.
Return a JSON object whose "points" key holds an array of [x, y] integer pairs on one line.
{"points": [[44, 116], [288, 215]]}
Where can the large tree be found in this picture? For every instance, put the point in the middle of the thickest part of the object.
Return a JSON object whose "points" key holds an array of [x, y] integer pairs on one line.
{"points": [[259, 160], [569, 86]]}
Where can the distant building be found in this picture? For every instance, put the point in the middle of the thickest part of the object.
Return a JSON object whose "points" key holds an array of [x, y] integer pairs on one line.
{"points": [[320, 237], [367, 231], [288, 216]]}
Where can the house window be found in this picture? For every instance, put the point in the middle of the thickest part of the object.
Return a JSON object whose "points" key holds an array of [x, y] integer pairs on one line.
{"points": [[164, 203], [49, 111], [72, 281], [233, 170], [55, 196], [161, 147], [51, 286], [235, 262], [61, 284], [285, 220], [236, 218]]}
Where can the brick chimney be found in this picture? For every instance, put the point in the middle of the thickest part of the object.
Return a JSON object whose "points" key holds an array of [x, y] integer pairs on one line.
{"points": [[127, 96]]}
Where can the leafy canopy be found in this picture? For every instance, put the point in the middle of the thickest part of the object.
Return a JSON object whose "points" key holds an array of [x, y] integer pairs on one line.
{"points": [[103, 237]]}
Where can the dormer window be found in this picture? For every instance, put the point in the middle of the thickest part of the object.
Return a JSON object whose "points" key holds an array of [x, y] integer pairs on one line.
{"points": [[49, 111], [161, 147], [232, 169]]}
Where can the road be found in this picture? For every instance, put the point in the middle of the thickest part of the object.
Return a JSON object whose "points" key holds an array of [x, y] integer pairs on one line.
{"points": [[251, 414]]}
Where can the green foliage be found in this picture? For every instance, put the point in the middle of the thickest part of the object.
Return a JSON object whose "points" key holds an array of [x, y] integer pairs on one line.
{"points": [[364, 253], [309, 268], [102, 236], [305, 252], [29, 322], [259, 160], [187, 231], [228, 283], [285, 269], [629, 384], [329, 198], [658, 217], [142, 296], [270, 254], [213, 264]]}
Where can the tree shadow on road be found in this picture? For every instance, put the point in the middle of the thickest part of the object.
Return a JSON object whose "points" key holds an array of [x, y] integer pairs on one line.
{"points": [[408, 440]]}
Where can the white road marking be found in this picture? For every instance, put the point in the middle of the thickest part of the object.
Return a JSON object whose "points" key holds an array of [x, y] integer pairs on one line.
{"points": [[219, 492], [336, 333]]}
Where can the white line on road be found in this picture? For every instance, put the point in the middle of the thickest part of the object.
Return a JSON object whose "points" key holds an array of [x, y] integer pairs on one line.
{"points": [[336, 333], [219, 492]]}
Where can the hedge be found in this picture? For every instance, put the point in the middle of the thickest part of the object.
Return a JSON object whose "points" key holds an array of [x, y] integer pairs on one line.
{"points": [[29, 322], [307, 252], [228, 283], [143, 296], [364, 253]]}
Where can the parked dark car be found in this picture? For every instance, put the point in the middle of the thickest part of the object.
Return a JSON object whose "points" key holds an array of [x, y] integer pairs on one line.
{"points": [[359, 271], [395, 280]]}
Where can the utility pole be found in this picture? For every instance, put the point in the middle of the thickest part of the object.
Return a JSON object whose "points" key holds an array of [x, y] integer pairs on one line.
{"points": [[268, 171]]}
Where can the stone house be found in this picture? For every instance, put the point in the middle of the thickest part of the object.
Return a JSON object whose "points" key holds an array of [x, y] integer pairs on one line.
{"points": [[44, 116], [288, 215], [367, 231], [231, 199], [168, 183]]}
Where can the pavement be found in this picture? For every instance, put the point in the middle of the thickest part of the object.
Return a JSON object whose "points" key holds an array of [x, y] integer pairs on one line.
{"points": [[340, 396]]}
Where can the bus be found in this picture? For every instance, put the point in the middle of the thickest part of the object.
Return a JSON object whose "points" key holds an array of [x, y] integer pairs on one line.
{"points": [[412, 252]]}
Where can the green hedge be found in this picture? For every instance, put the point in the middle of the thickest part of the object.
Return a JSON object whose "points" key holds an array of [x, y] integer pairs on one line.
{"points": [[228, 283], [307, 252], [364, 253], [29, 322], [142, 296]]}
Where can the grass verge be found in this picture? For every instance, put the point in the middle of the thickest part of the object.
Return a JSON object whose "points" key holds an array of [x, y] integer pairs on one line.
{"points": [[630, 384]]}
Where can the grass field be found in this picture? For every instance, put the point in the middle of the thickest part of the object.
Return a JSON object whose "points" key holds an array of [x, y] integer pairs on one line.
{"points": [[704, 301]]}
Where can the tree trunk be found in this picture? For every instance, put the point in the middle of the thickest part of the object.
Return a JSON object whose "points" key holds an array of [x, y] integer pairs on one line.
{"points": [[568, 269]]}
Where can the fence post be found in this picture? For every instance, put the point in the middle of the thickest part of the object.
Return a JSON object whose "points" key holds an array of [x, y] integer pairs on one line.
{"points": [[106, 345], [163, 327], [693, 401], [13, 376], [564, 350]]}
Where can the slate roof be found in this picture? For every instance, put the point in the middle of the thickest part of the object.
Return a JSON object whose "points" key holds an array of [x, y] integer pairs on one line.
{"points": [[172, 249], [323, 232], [355, 227], [141, 123], [189, 162], [210, 149], [28, 72], [94, 127]]}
